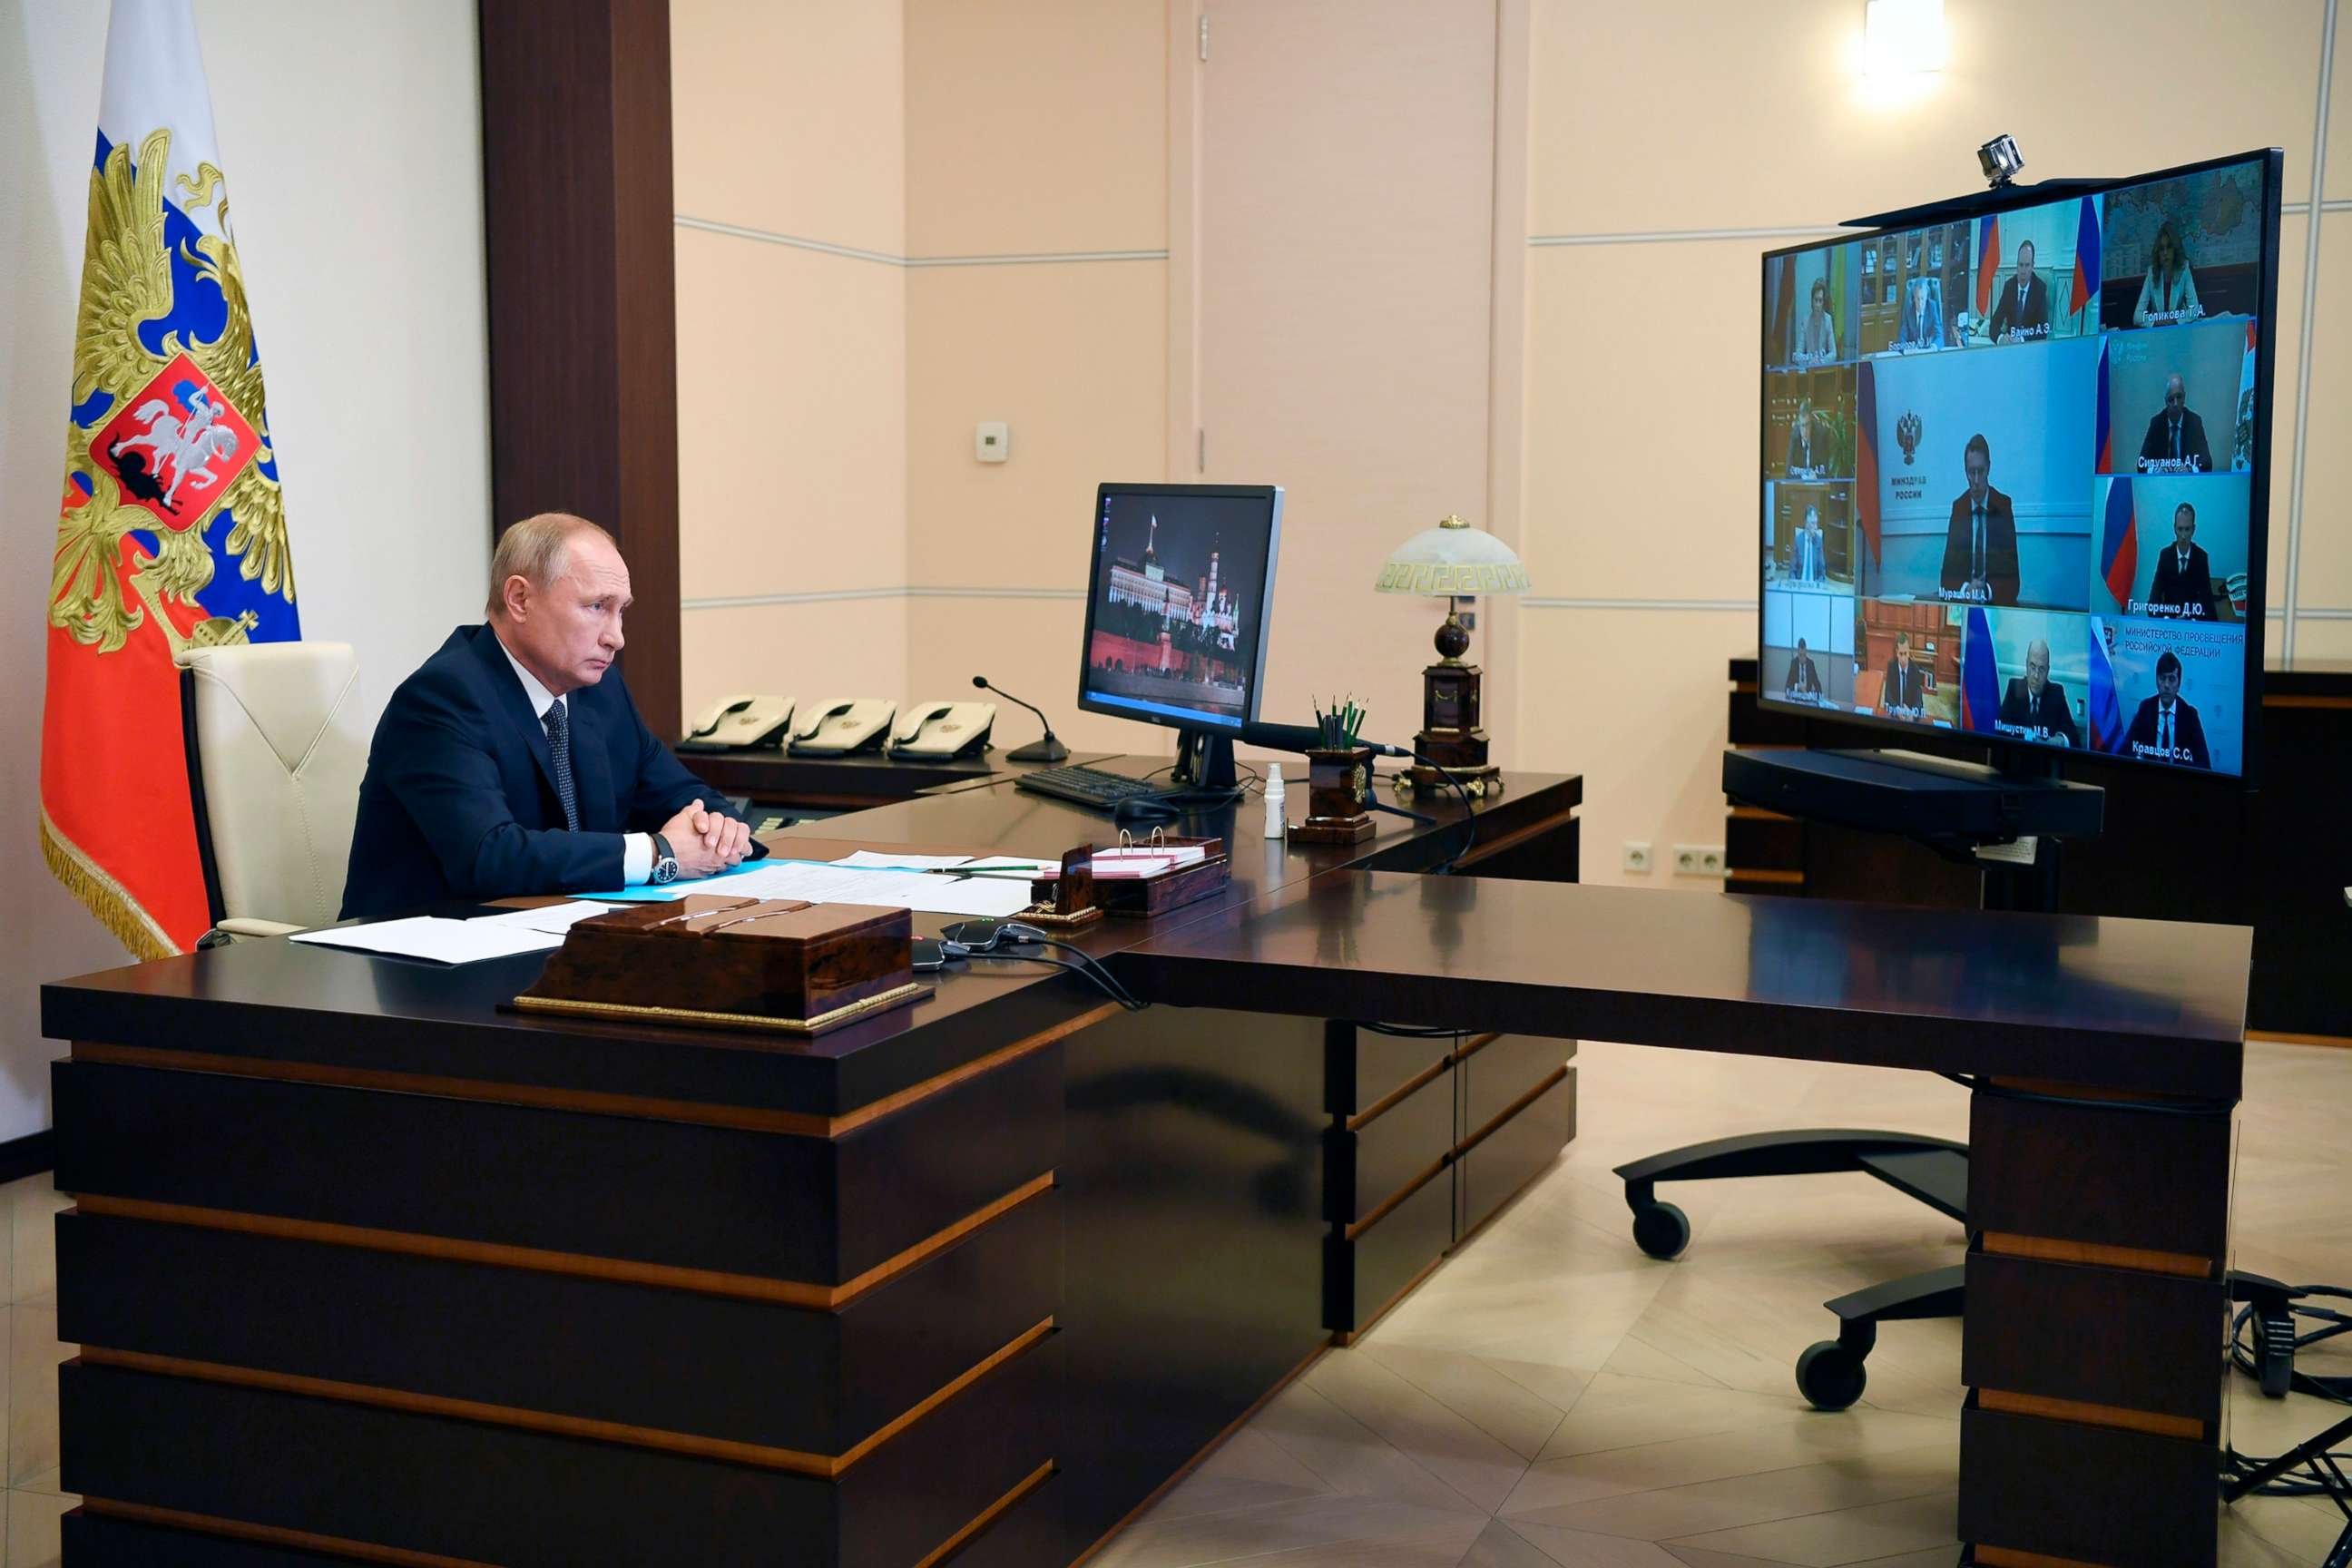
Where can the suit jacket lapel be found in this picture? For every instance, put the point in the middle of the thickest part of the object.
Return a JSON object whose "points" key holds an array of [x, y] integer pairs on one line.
{"points": [[516, 707]]}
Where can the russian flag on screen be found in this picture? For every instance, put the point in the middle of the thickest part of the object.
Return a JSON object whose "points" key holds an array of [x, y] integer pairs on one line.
{"points": [[2106, 713], [1979, 674], [1988, 260], [2102, 435], [2086, 254], [2241, 446], [1865, 456], [2119, 543]]}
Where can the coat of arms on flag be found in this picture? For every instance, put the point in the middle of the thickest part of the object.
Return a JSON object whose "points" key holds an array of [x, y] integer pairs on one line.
{"points": [[171, 530]]}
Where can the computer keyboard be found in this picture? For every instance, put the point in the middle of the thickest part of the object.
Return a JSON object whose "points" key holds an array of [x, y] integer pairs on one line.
{"points": [[1086, 787]]}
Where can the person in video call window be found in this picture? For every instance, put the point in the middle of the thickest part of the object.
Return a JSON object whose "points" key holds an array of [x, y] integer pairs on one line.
{"points": [[1804, 680], [2022, 313], [1817, 334], [1807, 557], [2168, 296], [2166, 730], [1923, 317], [1804, 460], [2176, 437], [2184, 575], [2036, 703], [1980, 543], [1904, 691]]}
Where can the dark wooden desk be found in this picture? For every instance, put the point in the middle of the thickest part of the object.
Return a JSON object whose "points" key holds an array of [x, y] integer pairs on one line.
{"points": [[363, 1268], [854, 782], [2107, 1057]]}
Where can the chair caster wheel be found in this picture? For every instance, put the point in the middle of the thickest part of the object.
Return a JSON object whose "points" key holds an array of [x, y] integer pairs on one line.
{"points": [[1662, 1230], [1831, 1375]]}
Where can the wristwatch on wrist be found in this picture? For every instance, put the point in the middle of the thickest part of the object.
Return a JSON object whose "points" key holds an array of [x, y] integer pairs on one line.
{"points": [[665, 862]]}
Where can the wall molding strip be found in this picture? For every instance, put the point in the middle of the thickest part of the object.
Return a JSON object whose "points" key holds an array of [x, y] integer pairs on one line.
{"points": [[1678, 236], [826, 248], [2310, 308], [893, 590], [1533, 602]]}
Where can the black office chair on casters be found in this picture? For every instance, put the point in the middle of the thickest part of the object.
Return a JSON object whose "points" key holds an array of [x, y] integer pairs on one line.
{"points": [[1933, 1170]]}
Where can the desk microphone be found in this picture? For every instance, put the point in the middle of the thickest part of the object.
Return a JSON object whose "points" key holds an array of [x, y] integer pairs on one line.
{"points": [[1045, 749], [1304, 738]]}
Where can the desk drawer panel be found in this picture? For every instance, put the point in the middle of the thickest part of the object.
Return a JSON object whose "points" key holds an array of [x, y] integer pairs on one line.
{"points": [[2087, 1494], [1364, 1168], [1489, 1079], [2092, 1335], [1361, 1069], [487, 1493], [1514, 1153], [683, 1195], [1362, 1277], [95, 1540], [605, 1350], [2085, 1173]]}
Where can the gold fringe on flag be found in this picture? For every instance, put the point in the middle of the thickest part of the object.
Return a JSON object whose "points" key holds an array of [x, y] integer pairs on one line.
{"points": [[104, 896]]}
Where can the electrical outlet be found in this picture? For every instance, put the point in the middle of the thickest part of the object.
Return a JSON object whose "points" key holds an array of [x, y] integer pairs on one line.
{"points": [[1698, 859], [1637, 858]]}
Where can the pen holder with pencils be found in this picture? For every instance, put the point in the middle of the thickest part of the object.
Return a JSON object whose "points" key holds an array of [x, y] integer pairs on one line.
{"points": [[1338, 784]]}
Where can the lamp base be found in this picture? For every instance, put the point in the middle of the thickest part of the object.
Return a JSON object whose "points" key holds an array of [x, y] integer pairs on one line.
{"points": [[1048, 750]]}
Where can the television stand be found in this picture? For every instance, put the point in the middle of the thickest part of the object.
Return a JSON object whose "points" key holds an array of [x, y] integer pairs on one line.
{"points": [[2009, 819]]}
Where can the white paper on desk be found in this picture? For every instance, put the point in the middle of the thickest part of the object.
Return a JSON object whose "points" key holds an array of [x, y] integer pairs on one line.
{"points": [[555, 917], [924, 890], [440, 941], [876, 860]]}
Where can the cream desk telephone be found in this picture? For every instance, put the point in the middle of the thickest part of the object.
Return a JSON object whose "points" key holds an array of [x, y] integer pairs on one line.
{"points": [[837, 726], [943, 729], [740, 724]]}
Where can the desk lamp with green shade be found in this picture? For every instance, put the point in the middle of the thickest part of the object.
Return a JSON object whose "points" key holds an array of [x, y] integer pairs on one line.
{"points": [[1452, 562]]}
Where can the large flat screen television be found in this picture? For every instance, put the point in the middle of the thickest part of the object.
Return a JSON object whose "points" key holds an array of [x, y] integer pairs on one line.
{"points": [[2015, 470]]}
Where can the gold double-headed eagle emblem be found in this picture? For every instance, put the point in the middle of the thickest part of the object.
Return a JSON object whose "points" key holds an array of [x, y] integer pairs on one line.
{"points": [[182, 436]]}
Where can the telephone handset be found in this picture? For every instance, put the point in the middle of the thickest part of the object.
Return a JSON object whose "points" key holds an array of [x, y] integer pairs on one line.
{"points": [[743, 722], [943, 729], [839, 725]]}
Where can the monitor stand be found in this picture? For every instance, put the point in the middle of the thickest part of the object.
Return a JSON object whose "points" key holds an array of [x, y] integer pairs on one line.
{"points": [[1204, 760]]}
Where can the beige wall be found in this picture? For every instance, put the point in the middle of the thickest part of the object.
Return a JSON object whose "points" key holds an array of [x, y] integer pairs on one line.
{"points": [[1667, 154], [363, 251]]}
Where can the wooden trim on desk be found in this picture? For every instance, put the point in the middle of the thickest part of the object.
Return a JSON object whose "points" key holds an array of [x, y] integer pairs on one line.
{"points": [[1403, 1092], [2289, 701], [2009, 1557], [1761, 874], [1758, 814], [2140, 1260], [1379, 1211], [741, 1118], [499, 1255], [272, 1535], [821, 1466], [1513, 839], [2088, 1415], [1473, 1046], [2273, 1036], [988, 1516], [1494, 1123]]}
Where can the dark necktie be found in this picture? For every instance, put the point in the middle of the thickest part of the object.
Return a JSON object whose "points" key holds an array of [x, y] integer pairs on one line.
{"points": [[2164, 735], [2176, 440], [1977, 569], [559, 751]]}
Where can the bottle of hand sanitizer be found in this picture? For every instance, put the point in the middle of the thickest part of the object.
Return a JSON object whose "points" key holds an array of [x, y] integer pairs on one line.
{"points": [[1275, 825]]}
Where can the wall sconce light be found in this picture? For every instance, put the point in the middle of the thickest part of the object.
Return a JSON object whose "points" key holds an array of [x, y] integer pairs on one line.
{"points": [[1903, 38]]}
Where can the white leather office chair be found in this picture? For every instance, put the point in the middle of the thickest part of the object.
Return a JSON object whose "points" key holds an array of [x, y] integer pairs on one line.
{"points": [[275, 749]]}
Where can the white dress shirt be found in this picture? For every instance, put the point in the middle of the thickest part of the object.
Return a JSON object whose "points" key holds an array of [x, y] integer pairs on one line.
{"points": [[636, 848]]}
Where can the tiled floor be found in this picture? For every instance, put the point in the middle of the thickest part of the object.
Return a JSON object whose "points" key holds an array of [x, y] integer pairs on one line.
{"points": [[1551, 1398]]}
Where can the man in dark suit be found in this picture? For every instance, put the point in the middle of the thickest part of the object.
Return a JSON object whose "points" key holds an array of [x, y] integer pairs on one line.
{"points": [[2184, 576], [1905, 685], [2166, 729], [2022, 313], [1804, 680], [512, 764], [2034, 703], [1980, 542], [2176, 437]]}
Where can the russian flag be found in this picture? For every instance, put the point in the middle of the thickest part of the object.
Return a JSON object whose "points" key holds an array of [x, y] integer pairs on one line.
{"points": [[2101, 433], [1988, 260], [2242, 456], [2119, 543], [1980, 674], [1865, 456], [2086, 254], [2106, 713]]}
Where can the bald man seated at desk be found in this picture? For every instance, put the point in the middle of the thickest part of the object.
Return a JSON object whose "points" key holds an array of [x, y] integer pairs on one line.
{"points": [[2035, 706], [514, 761]]}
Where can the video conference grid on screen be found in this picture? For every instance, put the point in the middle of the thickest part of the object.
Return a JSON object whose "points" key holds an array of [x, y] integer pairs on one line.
{"points": [[1174, 621], [2007, 470]]}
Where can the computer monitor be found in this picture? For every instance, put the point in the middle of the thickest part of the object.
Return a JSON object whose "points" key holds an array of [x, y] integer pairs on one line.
{"points": [[2015, 470], [1177, 605]]}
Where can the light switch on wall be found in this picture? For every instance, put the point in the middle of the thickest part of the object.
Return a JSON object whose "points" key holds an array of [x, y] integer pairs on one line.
{"points": [[992, 441]]}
